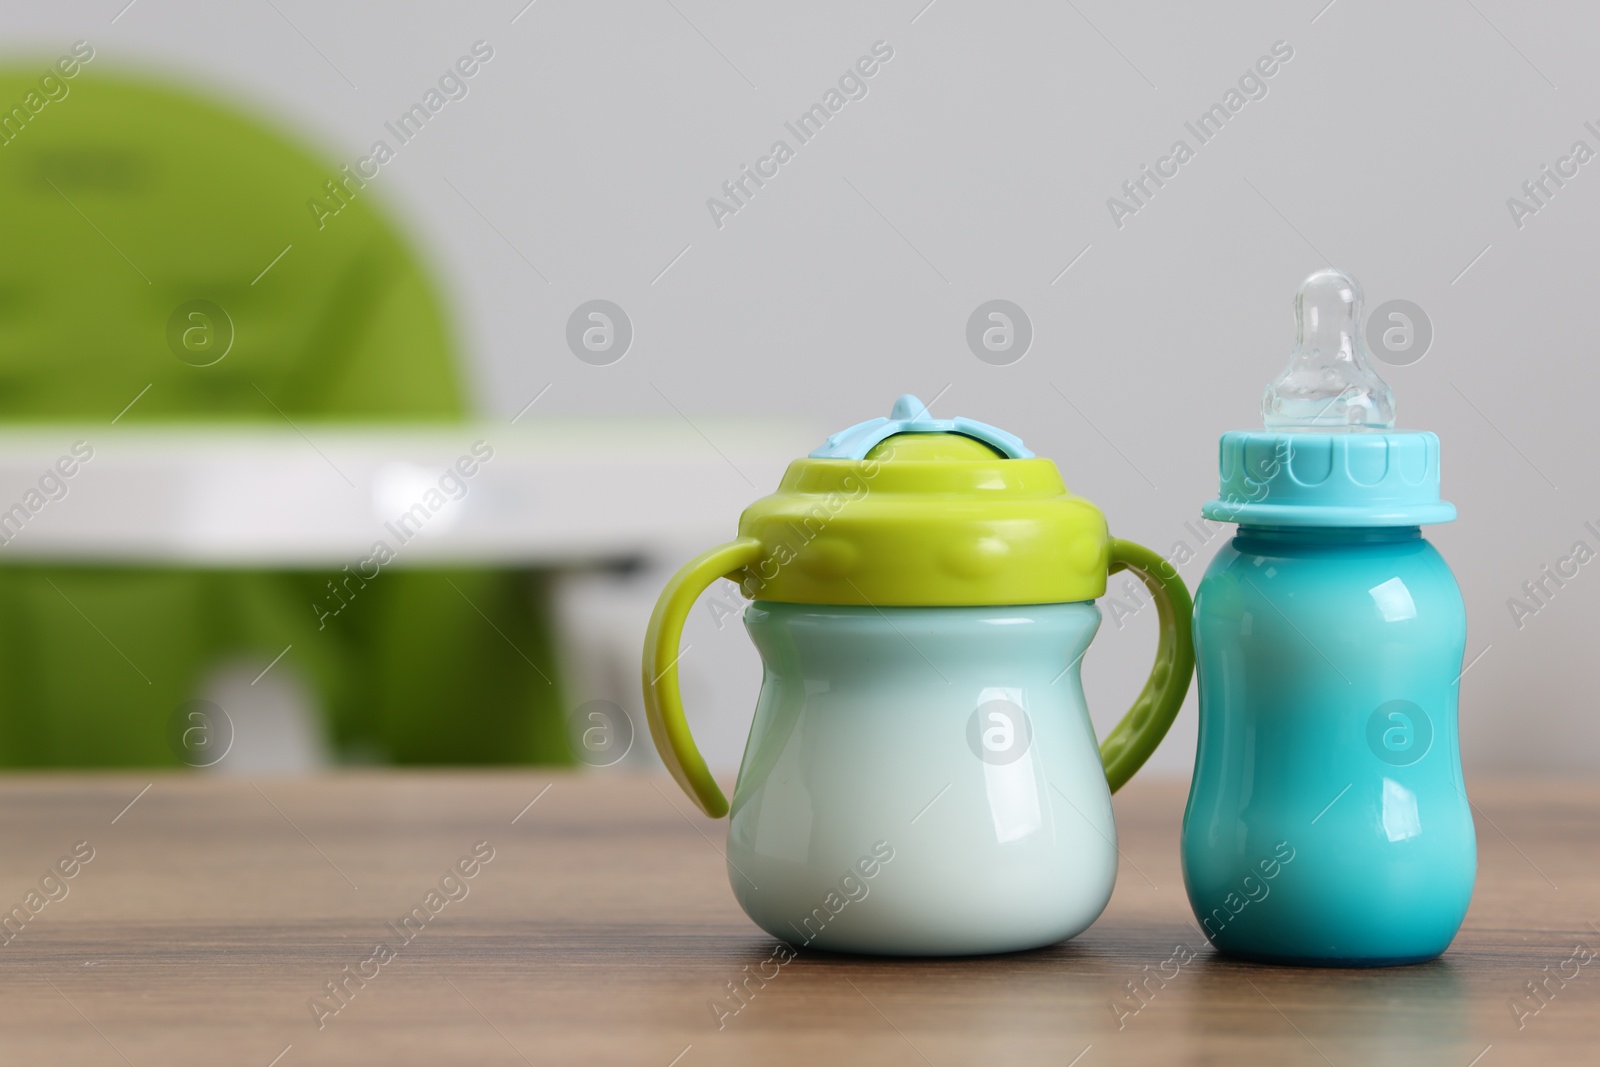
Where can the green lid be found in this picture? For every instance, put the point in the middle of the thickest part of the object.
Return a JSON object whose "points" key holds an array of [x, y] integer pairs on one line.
{"points": [[933, 512]]}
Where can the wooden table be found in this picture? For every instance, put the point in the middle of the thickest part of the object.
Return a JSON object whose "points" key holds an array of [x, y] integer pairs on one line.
{"points": [[214, 911]]}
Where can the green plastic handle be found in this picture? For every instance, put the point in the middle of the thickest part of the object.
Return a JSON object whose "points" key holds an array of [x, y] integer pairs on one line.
{"points": [[1123, 752], [1126, 747], [663, 704]]}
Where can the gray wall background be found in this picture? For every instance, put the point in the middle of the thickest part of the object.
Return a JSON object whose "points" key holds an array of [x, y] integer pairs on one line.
{"points": [[978, 167]]}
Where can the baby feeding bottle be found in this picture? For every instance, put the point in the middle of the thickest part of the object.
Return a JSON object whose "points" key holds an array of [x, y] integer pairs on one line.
{"points": [[1327, 821], [921, 776]]}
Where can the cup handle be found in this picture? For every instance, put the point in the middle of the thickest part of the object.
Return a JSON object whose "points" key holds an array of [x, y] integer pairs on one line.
{"points": [[663, 704], [1131, 742]]}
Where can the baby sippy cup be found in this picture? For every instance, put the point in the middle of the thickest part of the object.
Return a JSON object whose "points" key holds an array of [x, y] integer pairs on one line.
{"points": [[921, 776], [1327, 820]]}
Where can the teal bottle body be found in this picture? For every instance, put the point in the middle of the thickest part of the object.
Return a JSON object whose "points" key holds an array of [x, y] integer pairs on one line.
{"points": [[1328, 823]]}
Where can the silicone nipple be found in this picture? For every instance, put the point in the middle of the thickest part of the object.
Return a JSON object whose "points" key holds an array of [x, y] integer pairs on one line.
{"points": [[1329, 382]]}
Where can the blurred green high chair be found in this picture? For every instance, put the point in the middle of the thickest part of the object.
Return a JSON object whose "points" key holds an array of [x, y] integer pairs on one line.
{"points": [[190, 200]]}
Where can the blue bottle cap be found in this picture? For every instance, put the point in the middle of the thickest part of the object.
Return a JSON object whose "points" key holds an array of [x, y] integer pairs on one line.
{"points": [[1330, 455], [910, 415], [1305, 478]]}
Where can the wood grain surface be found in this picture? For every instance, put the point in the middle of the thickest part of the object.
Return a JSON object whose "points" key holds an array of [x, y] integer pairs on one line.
{"points": [[214, 913]]}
